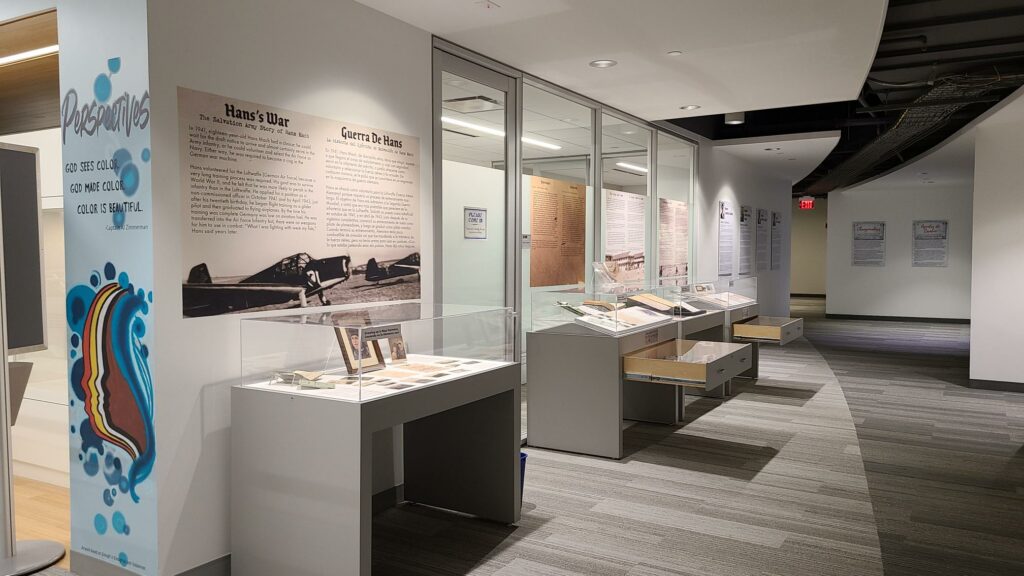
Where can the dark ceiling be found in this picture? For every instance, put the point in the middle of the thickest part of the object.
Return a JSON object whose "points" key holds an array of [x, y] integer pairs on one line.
{"points": [[939, 64]]}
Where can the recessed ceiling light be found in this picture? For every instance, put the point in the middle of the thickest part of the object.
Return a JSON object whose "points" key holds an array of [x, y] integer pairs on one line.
{"points": [[690, 107], [675, 53], [541, 144], [29, 55], [628, 131], [603, 63], [632, 167], [735, 118]]}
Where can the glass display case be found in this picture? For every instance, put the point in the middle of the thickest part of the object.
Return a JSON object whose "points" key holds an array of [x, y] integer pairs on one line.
{"points": [[618, 313], [366, 353], [726, 294]]}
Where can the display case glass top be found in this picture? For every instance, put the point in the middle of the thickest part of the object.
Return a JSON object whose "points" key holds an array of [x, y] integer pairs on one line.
{"points": [[363, 354], [726, 294], [605, 314]]}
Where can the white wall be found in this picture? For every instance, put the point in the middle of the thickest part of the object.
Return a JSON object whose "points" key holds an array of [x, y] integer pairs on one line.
{"points": [[808, 255], [723, 176], [898, 289], [998, 274], [11, 9], [330, 58], [474, 269]]}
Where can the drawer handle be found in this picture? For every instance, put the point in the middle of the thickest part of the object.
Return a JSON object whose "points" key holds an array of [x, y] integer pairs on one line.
{"points": [[743, 359], [720, 370]]}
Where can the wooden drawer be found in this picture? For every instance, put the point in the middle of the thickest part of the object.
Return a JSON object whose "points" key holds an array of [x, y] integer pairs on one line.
{"points": [[688, 363], [770, 329]]}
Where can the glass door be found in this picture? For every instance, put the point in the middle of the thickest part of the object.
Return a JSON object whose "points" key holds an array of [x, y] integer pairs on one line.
{"points": [[475, 184]]}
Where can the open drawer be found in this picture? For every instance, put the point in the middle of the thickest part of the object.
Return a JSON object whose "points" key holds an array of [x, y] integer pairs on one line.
{"points": [[769, 329], [689, 363]]}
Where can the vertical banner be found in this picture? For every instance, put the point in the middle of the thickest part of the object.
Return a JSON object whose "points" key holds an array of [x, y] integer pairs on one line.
{"points": [[726, 237], [868, 244], [776, 240], [746, 240], [763, 239], [931, 244], [105, 113], [673, 241], [625, 235], [558, 232]]}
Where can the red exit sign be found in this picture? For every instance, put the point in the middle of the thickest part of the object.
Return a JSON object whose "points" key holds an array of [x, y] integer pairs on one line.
{"points": [[807, 203]]}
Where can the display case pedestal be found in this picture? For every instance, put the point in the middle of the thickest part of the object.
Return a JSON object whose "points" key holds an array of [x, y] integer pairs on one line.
{"points": [[578, 396], [302, 468]]}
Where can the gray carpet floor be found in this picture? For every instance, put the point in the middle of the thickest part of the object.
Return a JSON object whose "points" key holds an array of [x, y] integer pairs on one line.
{"points": [[860, 451], [769, 482], [944, 462]]}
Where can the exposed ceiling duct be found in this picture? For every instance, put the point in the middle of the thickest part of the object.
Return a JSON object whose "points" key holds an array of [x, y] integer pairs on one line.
{"points": [[922, 117]]}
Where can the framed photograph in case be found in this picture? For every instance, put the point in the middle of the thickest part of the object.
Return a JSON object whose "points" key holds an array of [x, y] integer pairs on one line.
{"points": [[358, 354]]}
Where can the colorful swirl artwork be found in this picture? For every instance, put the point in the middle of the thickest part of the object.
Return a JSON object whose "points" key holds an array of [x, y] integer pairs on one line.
{"points": [[110, 375]]}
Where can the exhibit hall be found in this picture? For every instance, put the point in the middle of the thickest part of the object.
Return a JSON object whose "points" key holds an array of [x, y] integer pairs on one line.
{"points": [[365, 287]]}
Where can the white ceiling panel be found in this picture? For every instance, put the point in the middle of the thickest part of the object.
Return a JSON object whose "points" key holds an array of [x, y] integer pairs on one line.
{"points": [[736, 55]]}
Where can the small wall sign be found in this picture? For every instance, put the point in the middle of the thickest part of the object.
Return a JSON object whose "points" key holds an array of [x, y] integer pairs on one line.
{"points": [[475, 224]]}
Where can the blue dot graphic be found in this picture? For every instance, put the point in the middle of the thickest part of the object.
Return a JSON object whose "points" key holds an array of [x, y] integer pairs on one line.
{"points": [[73, 353], [122, 280], [130, 179], [118, 219], [75, 340], [102, 88], [123, 559], [109, 271], [99, 522], [118, 521], [114, 65], [145, 154]]}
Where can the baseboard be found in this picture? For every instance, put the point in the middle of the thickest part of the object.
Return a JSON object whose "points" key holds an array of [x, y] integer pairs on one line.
{"points": [[388, 498], [217, 567], [898, 318], [801, 295], [997, 385], [40, 473]]}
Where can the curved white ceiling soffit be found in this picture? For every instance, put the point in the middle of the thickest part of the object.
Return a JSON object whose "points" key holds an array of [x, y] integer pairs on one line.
{"points": [[734, 55]]}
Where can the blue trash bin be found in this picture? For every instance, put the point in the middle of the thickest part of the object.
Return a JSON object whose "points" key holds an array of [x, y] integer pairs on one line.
{"points": [[522, 475]]}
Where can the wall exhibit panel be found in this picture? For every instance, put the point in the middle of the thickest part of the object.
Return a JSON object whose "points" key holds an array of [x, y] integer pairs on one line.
{"points": [[288, 209], [558, 232]]}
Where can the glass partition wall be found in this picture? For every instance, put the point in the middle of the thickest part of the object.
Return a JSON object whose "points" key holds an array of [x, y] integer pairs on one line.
{"points": [[535, 183], [558, 195], [674, 184], [625, 201]]}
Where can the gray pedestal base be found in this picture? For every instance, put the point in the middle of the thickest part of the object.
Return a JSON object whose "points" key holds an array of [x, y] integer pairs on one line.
{"points": [[32, 556], [302, 468]]}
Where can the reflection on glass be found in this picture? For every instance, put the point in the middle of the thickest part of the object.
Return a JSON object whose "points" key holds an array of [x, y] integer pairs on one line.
{"points": [[674, 186], [473, 192], [625, 166], [558, 196]]}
